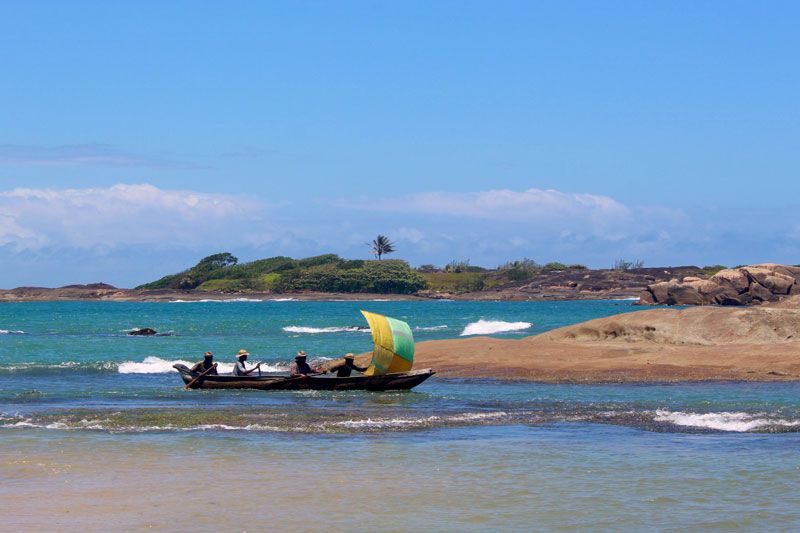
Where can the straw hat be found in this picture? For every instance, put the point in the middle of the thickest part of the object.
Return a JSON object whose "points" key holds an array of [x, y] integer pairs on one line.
{"points": [[301, 353], [349, 356], [207, 354], [242, 353]]}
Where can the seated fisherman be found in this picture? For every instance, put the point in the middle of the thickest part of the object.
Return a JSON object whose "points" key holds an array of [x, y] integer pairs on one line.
{"points": [[344, 369], [207, 364], [300, 367], [239, 369]]}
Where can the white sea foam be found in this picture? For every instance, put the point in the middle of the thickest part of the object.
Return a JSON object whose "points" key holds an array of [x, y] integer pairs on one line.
{"points": [[385, 422], [332, 329], [430, 328], [379, 423], [723, 421], [632, 299], [488, 327], [226, 427], [11, 332], [283, 300], [468, 417], [156, 365], [215, 300]]}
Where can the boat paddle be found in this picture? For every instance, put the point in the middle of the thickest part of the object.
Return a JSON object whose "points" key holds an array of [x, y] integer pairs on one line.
{"points": [[189, 385]]}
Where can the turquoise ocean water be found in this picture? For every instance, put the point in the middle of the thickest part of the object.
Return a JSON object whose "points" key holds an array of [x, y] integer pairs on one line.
{"points": [[531, 456]]}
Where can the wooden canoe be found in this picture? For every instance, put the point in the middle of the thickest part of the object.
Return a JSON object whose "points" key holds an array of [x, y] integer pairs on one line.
{"points": [[280, 381]]}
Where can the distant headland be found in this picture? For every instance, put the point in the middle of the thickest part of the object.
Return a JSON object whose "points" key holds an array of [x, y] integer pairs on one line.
{"points": [[330, 277]]}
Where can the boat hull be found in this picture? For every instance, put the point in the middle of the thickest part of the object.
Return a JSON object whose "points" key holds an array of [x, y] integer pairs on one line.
{"points": [[274, 381]]}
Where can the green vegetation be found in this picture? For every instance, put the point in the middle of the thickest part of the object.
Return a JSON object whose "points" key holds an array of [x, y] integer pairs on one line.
{"points": [[622, 264], [555, 266], [325, 273], [455, 282], [710, 270], [521, 270], [457, 267], [330, 273]]}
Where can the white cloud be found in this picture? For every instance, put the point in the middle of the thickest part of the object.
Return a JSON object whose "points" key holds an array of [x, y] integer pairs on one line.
{"points": [[549, 210], [122, 214], [501, 204]]}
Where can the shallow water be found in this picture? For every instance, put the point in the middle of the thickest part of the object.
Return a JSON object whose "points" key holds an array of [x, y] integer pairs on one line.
{"points": [[101, 416]]}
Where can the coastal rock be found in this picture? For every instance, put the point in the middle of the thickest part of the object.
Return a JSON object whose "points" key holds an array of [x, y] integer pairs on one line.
{"points": [[735, 278], [659, 292], [760, 292], [683, 295], [699, 343], [143, 332], [753, 284]]}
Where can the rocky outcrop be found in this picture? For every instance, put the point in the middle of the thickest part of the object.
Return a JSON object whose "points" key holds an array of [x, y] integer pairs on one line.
{"points": [[699, 343], [143, 332], [748, 285]]}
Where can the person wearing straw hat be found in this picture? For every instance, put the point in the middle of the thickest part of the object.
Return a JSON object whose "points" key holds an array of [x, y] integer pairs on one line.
{"points": [[300, 367], [344, 369], [239, 369], [206, 365]]}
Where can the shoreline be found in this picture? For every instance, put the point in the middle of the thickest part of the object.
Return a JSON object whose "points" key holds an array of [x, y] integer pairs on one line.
{"points": [[67, 294]]}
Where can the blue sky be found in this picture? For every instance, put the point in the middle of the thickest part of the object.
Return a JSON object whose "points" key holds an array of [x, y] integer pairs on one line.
{"points": [[137, 137]]}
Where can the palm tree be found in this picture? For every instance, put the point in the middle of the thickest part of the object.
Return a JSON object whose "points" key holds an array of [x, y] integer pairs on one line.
{"points": [[381, 245]]}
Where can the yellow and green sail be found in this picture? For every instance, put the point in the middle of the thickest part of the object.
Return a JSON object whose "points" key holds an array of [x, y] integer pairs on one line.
{"points": [[394, 345]]}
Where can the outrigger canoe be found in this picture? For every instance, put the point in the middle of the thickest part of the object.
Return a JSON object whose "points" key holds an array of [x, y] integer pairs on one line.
{"points": [[274, 381], [390, 368]]}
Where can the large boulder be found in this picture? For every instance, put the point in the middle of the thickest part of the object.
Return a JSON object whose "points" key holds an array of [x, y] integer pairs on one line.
{"points": [[760, 292], [732, 277], [684, 295]]}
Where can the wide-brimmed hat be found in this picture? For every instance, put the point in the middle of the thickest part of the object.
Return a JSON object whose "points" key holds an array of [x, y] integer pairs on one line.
{"points": [[208, 354], [349, 356], [242, 353], [301, 353]]}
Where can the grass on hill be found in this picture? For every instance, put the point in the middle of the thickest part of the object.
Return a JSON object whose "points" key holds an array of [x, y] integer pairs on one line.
{"points": [[323, 273]]}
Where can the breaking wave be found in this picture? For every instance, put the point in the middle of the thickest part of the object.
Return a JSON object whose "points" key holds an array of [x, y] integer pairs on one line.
{"points": [[724, 421], [390, 423], [11, 332], [333, 329], [156, 365], [150, 365], [489, 327]]}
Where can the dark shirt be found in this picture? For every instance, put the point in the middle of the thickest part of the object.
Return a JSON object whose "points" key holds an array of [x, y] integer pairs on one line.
{"points": [[344, 369], [300, 367], [202, 367]]}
